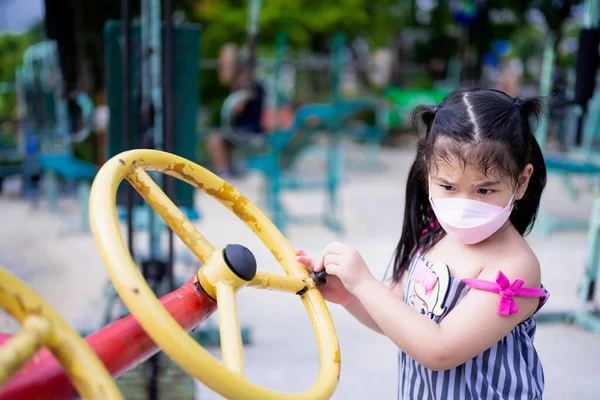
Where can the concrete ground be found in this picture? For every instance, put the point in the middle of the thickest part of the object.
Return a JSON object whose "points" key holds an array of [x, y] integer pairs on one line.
{"points": [[67, 271]]}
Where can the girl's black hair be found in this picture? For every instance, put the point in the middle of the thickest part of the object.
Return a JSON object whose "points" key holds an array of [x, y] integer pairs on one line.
{"points": [[484, 127]]}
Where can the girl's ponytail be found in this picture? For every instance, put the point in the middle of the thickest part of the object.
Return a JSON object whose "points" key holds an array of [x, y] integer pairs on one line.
{"points": [[525, 211]]}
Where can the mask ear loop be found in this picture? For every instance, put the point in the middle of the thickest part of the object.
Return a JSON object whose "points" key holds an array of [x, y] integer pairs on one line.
{"points": [[429, 186], [513, 201]]}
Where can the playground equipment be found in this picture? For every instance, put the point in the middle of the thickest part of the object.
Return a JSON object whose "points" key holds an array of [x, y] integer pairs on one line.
{"points": [[152, 106], [146, 117], [163, 323], [586, 316], [574, 162], [49, 131], [274, 154]]}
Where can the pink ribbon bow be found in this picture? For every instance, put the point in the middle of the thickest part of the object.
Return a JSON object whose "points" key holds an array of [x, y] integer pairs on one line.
{"points": [[507, 291], [424, 275]]}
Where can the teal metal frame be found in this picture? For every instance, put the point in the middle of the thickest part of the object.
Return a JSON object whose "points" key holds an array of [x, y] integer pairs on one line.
{"points": [[588, 315], [51, 130], [274, 154], [581, 162]]}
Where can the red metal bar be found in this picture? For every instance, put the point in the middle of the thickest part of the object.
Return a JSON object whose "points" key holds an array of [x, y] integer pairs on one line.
{"points": [[121, 346]]}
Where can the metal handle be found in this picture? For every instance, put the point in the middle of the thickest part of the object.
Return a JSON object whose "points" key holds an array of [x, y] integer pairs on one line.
{"points": [[320, 278]]}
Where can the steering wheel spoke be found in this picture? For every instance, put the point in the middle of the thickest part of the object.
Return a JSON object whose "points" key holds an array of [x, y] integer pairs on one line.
{"points": [[42, 326], [170, 213], [20, 348], [281, 283], [229, 327]]}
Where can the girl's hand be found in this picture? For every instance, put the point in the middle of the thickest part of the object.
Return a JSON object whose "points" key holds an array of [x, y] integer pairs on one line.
{"points": [[333, 291], [345, 263]]}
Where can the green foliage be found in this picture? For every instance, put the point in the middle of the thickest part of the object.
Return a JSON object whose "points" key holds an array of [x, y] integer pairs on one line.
{"points": [[12, 47], [308, 24]]}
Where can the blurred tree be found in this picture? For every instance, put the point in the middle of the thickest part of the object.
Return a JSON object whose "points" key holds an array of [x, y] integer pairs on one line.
{"points": [[12, 47], [309, 24]]}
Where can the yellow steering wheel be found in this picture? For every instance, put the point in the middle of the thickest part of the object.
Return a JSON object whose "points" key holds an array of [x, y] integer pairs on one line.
{"points": [[42, 326], [223, 273]]}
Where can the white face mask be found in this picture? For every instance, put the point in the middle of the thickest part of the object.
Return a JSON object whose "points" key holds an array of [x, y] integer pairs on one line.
{"points": [[470, 221]]}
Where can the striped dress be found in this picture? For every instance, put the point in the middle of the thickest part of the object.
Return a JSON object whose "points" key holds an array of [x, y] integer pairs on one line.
{"points": [[510, 369]]}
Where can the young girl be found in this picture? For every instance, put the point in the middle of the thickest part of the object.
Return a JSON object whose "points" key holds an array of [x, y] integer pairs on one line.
{"points": [[465, 283]]}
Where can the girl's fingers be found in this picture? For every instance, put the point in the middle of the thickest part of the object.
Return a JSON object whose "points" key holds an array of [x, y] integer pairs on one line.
{"points": [[307, 262], [319, 265], [332, 269], [303, 260], [329, 259], [334, 259], [333, 248]]}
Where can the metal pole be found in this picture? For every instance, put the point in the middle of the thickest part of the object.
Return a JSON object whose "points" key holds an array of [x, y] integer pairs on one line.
{"points": [[156, 91], [188, 305], [591, 15], [146, 50], [154, 266], [155, 72], [590, 21], [546, 87], [253, 16], [126, 32], [588, 284], [280, 55], [335, 159], [168, 121]]}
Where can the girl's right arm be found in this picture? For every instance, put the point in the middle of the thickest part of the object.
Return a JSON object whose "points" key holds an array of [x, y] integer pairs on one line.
{"points": [[355, 307], [357, 310]]}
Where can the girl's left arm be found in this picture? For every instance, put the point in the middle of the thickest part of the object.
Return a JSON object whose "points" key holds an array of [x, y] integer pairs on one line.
{"points": [[472, 327]]}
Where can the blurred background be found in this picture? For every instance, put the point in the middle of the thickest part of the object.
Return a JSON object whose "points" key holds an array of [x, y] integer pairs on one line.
{"points": [[305, 108]]}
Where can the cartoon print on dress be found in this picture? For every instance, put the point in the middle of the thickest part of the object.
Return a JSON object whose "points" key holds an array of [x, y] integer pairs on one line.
{"points": [[428, 288]]}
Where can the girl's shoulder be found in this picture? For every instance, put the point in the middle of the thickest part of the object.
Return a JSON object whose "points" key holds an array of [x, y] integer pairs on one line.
{"points": [[515, 259]]}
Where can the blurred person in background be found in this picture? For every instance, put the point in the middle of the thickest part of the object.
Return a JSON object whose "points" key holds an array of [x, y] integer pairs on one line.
{"points": [[247, 115]]}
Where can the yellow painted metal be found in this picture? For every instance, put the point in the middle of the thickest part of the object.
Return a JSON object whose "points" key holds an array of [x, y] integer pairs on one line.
{"points": [[43, 326], [282, 283], [21, 347], [169, 212], [144, 305], [216, 271], [220, 283], [229, 327]]}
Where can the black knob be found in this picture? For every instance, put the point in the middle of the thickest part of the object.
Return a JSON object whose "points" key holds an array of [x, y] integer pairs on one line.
{"points": [[240, 261], [320, 278]]}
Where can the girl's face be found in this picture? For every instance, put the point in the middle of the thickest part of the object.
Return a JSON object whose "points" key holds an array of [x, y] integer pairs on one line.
{"points": [[457, 179]]}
